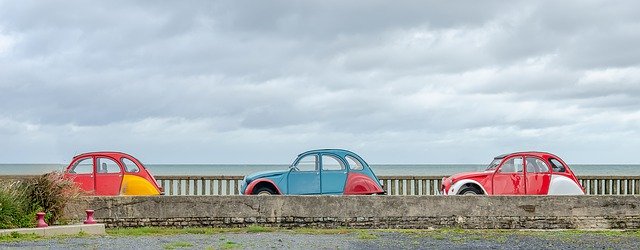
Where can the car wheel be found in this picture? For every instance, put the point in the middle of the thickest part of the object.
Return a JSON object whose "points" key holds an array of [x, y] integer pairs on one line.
{"points": [[469, 191], [264, 191]]}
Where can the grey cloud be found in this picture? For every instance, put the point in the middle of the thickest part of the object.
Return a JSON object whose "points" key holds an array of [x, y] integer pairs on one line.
{"points": [[366, 72]]}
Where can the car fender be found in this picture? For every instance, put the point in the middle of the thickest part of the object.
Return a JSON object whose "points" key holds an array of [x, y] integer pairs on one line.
{"points": [[562, 185], [136, 185], [455, 188], [358, 183], [252, 185]]}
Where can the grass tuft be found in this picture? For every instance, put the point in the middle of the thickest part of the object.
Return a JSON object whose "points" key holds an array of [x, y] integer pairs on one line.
{"points": [[230, 245], [177, 244], [16, 237], [258, 229], [366, 235]]}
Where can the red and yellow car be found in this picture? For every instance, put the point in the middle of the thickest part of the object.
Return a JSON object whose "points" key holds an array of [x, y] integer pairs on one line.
{"points": [[520, 173], [111, 173]]}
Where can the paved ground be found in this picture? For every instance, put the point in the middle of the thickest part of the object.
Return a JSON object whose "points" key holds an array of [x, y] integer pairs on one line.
{"points": [[353, 240]]}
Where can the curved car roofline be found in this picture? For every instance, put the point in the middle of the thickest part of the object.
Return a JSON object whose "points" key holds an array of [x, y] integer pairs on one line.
{"points": [[523, 152], [328, 149], [102, 152]]}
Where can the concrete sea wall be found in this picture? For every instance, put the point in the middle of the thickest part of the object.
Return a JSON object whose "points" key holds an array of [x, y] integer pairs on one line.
{"points": [[492, 212]]}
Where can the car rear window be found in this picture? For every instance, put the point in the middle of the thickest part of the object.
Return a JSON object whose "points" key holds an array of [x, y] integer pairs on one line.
{"points": [[354, 164], [557, 166], [130, 166]]}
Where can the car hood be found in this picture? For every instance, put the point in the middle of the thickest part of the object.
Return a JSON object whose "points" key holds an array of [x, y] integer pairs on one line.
{"points": [[468, 175], [264, 174]]}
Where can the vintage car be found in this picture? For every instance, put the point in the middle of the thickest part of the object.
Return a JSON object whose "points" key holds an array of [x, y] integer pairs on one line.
{"points": [[522, 173], [111, 173], [323, 171]]}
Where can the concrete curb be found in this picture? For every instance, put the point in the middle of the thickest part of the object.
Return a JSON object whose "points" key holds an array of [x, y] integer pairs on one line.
{"points": [[93, 229]]}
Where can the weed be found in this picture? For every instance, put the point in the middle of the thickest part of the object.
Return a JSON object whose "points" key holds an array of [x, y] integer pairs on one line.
{"points": [[14, 237], [258, 229], [230, 245], [177, 244], [315, 231], [366, 235]]}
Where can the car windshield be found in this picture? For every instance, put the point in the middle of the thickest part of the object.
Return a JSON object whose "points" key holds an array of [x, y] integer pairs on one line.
{"points": [[494, 164]]}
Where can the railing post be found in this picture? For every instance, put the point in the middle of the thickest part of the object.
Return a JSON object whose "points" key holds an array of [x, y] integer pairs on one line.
{"points": [[195, 187], [393, 187], [188, 187], [203, 187]]}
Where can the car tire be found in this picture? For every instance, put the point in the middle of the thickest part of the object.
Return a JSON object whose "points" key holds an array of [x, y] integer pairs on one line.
{"points": [[264, 191], [469, 191]]}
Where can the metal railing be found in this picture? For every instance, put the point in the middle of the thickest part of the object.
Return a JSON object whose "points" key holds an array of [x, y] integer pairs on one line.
{"points": [[393, 185]]}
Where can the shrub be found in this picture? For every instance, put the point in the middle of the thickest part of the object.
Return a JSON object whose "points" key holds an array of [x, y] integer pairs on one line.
{"points": [[15, 210], [50, 193]]}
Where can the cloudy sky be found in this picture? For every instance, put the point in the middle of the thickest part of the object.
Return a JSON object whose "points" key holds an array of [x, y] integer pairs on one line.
{"points": [[261, 81]]}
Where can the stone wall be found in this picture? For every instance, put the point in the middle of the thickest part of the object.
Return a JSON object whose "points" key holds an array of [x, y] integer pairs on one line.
{"points": [[530, 212]]}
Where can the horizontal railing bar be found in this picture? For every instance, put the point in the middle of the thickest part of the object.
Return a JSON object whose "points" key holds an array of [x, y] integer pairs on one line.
{"points": [[386, 177]]}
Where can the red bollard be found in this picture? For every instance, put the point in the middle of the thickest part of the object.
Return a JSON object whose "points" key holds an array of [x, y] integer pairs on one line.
{"points": [[89, 219], [40, 220]]}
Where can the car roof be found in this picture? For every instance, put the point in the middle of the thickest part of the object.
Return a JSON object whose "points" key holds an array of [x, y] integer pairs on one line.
{"points": [[533, 153], [109, 153], [337, 151]]}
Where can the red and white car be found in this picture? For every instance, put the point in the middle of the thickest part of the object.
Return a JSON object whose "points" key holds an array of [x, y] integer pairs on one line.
{"points": [[521, 173]]}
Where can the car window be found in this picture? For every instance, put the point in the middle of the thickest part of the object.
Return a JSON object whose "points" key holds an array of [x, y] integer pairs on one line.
{"points": [[330, 162], [307, 163], [535, 165], [106, 165], [513, 165], [354, 163], [84, 166], [557, 165], [130, 166]]}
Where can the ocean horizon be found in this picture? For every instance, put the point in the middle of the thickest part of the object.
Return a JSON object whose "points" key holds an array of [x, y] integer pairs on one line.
{"points": [[379, 169]]}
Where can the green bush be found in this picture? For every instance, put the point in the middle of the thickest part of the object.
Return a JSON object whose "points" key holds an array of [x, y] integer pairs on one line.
{"points": [[21, 200], [15, 210]]}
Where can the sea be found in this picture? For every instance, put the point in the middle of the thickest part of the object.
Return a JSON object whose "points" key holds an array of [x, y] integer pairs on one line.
{"points": [[379, 169]]}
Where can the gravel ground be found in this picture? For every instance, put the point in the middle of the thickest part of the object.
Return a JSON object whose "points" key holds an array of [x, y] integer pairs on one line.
{"points": [[356, 240]]}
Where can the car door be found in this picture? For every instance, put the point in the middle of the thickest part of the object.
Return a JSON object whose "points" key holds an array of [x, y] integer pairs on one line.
{"points": [[509, 179], [537, 175], [304, 177], [333, 174], [82, 173], [108, 176]]}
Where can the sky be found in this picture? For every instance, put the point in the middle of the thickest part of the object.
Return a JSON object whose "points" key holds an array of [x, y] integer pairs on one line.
{"points": [[250, 82]]}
